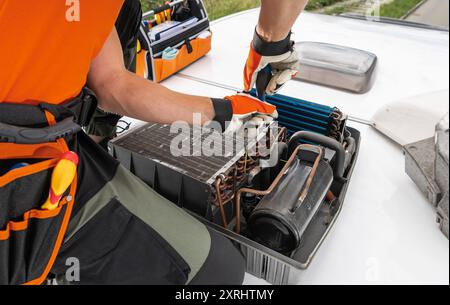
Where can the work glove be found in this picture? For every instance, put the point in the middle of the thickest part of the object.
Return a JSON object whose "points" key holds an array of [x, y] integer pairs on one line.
{"points": [[241, 111], [279, 57]]}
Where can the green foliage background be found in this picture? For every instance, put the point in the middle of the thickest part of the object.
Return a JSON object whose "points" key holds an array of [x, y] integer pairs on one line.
{"points": [[219, 8], [215, 8], [397, 9]]}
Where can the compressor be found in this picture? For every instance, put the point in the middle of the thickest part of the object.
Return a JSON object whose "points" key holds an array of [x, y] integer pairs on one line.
{"points": [[282, 216], [288, 206]]}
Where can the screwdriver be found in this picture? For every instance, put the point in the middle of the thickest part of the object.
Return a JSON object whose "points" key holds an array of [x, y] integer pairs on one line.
{"points": [[62, 177], [163, 8]]}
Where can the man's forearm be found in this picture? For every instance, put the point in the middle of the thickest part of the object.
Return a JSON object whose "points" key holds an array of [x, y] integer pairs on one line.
{"points": [[139, 98], [125, 93], [277, 18]]}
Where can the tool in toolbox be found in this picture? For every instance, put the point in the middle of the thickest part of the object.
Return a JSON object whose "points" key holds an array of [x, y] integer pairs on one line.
{"points": [[62, 177], [170, 53], [187, 30], [162, 9], [162, 13], [170, 28]]}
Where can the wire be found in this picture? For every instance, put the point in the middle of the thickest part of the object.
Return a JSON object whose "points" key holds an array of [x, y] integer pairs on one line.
{"points": [[245, 163], [122, 129]]}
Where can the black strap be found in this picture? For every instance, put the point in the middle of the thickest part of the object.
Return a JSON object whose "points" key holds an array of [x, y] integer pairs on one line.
{"points": [[80, 108], [22, 115], [223, 112], [275, 48], [83, 107]]}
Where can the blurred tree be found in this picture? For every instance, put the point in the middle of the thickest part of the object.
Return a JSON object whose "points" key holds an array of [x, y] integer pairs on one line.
{"points": [[220, 8], [149, 4], [215, 8]]}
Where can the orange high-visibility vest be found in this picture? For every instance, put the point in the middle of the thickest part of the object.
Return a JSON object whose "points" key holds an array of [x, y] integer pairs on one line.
{"points": [[47, 46]]}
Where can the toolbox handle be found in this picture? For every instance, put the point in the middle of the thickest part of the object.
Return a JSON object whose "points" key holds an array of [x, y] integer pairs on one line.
{"points": [[162, 8], [325, 141], [25, 135]]}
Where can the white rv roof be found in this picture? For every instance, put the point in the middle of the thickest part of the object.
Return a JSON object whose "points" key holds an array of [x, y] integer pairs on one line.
{"points": [[387, 231]]}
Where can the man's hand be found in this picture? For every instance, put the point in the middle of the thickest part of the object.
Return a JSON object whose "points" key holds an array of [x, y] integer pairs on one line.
{"points": [[272, 45], [234, 111], [280, 56]]}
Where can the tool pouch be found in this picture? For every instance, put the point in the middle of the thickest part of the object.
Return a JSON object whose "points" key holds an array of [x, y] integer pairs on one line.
{"points": [[192, 41], [30, 238]]}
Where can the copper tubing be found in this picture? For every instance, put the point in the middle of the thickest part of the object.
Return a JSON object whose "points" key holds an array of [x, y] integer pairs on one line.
{"points": [[282, 134], [339, 163], [330, 196], [336, 114], [312, 174], [279, 137], [220, 202], [336, 124], [224, 187], [262, 193], [224, 199]]}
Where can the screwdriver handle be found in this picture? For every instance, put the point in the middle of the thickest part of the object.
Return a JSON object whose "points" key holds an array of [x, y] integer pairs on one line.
{"points": [[62, 177]]}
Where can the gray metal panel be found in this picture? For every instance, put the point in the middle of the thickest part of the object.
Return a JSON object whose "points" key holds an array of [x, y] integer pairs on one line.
{"points": [[420, 158], [442, 153], [443, 215], [427, 165]]}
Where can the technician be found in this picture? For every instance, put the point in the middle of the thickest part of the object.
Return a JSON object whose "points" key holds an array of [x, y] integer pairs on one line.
{"points": [[120, 230]]}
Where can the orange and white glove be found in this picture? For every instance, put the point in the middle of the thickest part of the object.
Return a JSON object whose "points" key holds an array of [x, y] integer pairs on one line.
{"points": [[235, 111], [280, 56]]}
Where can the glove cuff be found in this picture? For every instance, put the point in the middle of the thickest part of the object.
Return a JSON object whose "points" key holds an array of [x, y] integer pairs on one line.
{"points": [[275, 48], [224, 111]]}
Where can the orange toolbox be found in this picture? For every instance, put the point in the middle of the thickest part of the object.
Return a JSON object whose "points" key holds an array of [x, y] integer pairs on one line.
{"points": [[171, 38]]}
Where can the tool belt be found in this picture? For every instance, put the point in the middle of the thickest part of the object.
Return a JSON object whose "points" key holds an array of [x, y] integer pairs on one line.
{"points": [[32, 141]]}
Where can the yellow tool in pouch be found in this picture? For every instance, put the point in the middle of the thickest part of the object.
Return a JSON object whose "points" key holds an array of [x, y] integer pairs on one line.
{"points": [[62, 177]]}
